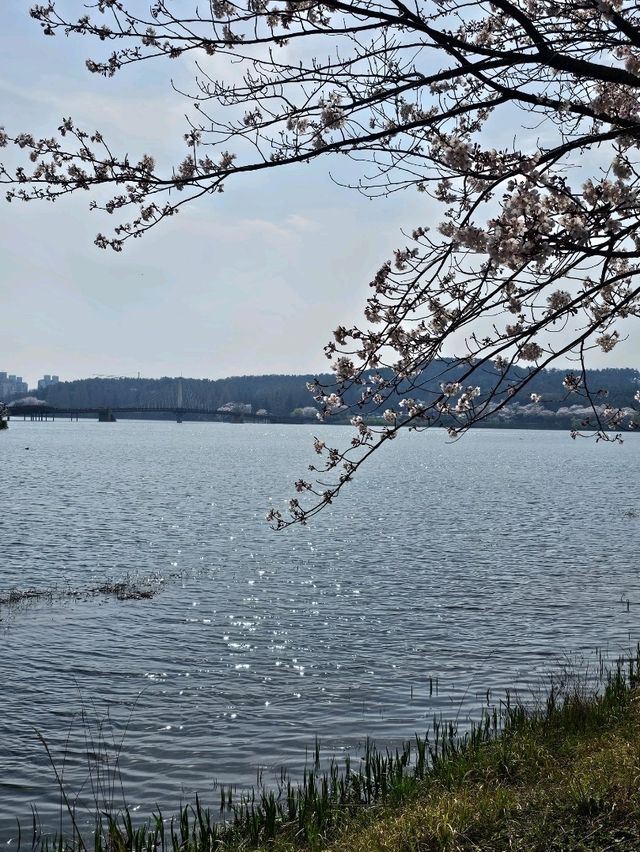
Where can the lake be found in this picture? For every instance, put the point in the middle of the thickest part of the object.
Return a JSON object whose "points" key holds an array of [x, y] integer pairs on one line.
{"points": [[444, 571]]}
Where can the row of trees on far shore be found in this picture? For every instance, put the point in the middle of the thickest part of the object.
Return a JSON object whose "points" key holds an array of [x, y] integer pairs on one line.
{"points": [[288, 395]]}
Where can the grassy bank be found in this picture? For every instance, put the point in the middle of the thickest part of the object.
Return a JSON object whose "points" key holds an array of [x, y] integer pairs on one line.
{"points": [[564, 776]]}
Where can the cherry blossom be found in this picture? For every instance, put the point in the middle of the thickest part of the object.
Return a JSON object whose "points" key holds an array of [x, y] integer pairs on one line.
{"points": [[519, 117]]}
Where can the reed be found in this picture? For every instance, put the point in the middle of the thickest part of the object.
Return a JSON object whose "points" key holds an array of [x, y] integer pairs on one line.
{"points": [[442, 791], [124, 590]]}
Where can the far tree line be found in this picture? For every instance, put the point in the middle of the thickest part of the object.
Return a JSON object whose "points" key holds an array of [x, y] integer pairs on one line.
{"points": [[282, 395]]}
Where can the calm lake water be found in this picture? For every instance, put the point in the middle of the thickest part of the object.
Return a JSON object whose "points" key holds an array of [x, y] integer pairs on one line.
{"points": [[481, 564]]}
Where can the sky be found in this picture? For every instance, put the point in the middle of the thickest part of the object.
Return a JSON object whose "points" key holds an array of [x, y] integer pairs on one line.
{"points": [[252, 281]]}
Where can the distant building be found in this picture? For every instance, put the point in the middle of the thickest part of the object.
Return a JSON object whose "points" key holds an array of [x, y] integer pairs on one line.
{"points": [[10, 385], [47, 380]]}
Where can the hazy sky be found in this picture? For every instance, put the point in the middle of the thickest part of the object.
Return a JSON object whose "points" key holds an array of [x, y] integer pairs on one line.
{"points": [[251, 281]]}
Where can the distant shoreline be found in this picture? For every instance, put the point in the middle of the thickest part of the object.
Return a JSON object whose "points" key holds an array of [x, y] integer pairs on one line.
{"points": [[547, 424]]}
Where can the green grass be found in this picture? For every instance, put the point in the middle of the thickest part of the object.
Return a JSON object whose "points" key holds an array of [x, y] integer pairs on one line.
{"points": [[563, 777]]}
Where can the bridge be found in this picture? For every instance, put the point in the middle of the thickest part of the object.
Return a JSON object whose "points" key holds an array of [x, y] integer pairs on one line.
{"points": [[108, 414], [172, 406]]}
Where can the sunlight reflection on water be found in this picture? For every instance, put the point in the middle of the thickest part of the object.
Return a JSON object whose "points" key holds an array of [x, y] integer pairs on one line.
{"points": [[475, 566]]}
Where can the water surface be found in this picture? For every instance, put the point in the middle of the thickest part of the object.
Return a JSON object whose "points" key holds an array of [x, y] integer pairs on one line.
{"points": [[479, 565]]}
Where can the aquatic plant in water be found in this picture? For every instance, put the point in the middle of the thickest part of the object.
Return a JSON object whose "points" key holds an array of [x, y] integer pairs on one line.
{"points": [[508, 743]]}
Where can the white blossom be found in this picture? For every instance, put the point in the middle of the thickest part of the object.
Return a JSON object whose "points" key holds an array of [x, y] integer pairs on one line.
{"points": [[451, 388], [571, 382], [333, 400], [606, 342], [530, 351]]}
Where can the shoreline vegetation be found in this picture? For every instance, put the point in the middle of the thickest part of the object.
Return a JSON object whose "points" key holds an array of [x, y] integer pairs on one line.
{"points": [[561, 775], [123, 590]]}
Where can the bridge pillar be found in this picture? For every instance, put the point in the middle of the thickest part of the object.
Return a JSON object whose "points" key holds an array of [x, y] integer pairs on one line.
{"points": [[179, 401]]}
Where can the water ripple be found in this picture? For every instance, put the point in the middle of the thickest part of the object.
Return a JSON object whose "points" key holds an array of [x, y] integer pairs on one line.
{"points": [[445, 571]]}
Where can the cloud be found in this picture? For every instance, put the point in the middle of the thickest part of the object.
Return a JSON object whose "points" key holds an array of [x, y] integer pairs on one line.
{"points": [[302, 224], [232, 227], [150, 122]]}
